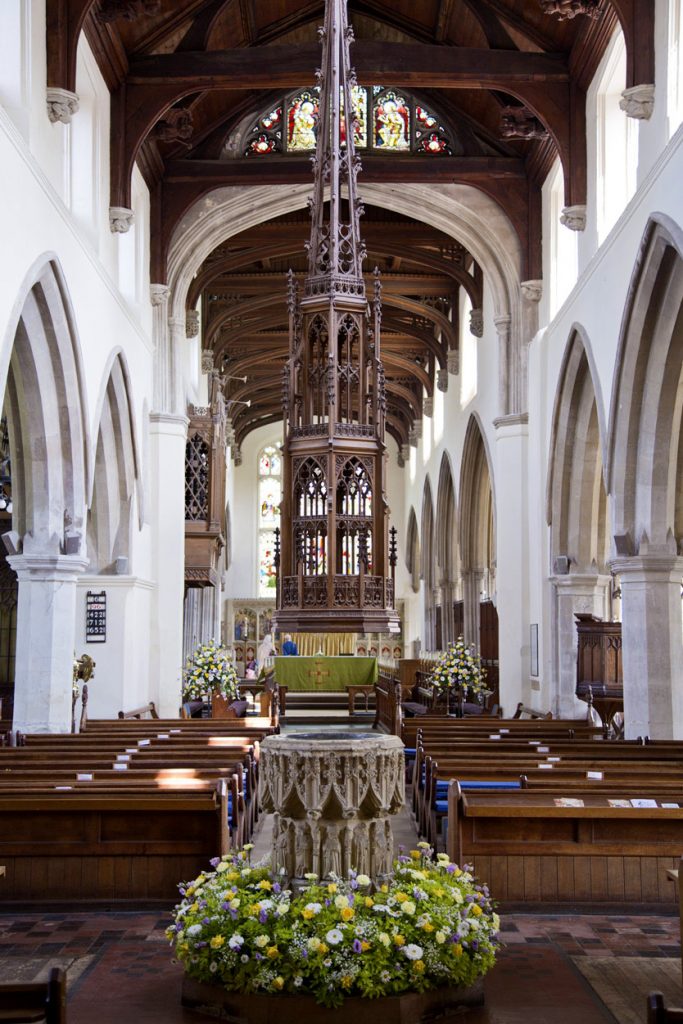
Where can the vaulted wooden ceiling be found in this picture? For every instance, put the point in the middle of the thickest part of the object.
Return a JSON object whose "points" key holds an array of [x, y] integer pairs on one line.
{"points": [[184, 74]]}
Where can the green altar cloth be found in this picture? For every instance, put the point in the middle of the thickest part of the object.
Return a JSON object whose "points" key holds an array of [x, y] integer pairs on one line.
{"points": [[312, 675]]}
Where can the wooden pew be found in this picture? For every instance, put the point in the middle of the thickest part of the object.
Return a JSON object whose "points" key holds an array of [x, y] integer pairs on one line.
{"points": [[147, 709], [33, 1002], [531, 850], [657, 1013]]}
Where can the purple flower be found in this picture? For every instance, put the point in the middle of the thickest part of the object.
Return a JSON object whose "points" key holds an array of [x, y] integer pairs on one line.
{"points": [[258, 956], [353, 883], [277, 888], [225, 906], [474, 945], [206, 920], [200, 945], [357, 947], [451, 869], [263, 916], [214, 862]]}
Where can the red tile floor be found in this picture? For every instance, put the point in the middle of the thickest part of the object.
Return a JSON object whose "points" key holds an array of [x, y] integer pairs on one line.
{"points": [[127, 974]]}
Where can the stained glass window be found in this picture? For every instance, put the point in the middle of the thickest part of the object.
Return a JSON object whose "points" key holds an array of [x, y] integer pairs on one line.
{"points": [[385, 121], [302, 121], [269, 497], [391, 117]]}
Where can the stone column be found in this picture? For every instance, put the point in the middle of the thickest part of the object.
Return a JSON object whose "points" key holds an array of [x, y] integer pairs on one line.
{"points": [[652, 645], [576, 592], [512, 558], [447, 625], [505, 369], [46, 627], [472, 586]]}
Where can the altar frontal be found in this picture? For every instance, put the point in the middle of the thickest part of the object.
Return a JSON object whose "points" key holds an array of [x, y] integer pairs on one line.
{"points": [[312, 675]]}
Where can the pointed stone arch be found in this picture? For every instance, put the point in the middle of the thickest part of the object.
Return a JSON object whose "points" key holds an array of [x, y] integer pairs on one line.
{"points": [[447, 550], [413, 551], [646, 484], [115, 474], [577, 506], [578, 514], [428, 565], [477, 526], [44, 401]]}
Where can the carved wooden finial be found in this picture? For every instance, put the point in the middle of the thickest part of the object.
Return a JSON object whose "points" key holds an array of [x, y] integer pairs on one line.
{"points": [[521, 123], [127, 10]]}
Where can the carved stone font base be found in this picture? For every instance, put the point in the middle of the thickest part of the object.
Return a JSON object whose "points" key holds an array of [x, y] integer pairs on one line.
{"points": [[333, 796]]}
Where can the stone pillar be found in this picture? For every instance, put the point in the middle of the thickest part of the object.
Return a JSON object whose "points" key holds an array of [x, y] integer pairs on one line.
{"points": [[447, 624], [576, 592], [168, 433], [46, 627], [504, 368], [472, 586], [512, 558], [652, 645]]}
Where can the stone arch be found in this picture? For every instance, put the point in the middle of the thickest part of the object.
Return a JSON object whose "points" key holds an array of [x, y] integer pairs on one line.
{"points": [[477, 527], [577, 504], [577, 512], [645, 481], [447, 552], [428, 565], [115, 474], [646, 443], [44, 401], [46, 413], [413, 551]]}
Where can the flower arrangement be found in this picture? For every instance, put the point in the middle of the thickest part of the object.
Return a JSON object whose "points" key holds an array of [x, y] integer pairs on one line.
{"points": [[459, 668], [433, 925], [209, 671]]}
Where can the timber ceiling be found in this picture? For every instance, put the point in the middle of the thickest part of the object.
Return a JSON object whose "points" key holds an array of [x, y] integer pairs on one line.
{"points": [[185, 74]]}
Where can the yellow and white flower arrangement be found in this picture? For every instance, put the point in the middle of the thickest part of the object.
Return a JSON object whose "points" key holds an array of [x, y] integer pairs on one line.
{"points": [[336, 938], [209, 671], [459, 668]]}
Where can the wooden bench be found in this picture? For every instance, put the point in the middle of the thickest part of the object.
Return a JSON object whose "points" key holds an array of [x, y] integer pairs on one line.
{"points": [[33, 1002], [531, 850], [147, 709], [657, 1013]]}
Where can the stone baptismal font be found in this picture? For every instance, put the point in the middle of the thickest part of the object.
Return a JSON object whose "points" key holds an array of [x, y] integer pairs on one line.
{"points": [[332, 796]]}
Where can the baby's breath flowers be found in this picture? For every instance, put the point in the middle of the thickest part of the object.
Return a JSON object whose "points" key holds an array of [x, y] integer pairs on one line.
{"points": [[432, 925]]}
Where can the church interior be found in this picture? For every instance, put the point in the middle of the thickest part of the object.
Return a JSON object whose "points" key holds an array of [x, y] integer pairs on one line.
{"points": [[341, 507]]}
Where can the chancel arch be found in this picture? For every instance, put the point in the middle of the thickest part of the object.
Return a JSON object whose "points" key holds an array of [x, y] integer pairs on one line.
{"points": [[476, 528], [646, 483], [428, 566], [44, 406], [447, 555], [577, 512], [110, 515]]}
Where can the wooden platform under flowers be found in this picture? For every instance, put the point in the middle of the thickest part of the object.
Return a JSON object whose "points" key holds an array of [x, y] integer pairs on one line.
{"points": [[443, 1004]]}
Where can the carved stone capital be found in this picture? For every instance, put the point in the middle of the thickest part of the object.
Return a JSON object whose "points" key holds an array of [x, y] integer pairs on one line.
{"points": [[442, 380], [574, 217], [405, 452], [532, 290], [502, 324], [399, 459], [477, 322], [413, 439], [61, 105], [237, 455], [158, 294], [638, 102], [120, 219], [453, 362], [417, 427], [207, 359], [192, 323], [428, 407]]}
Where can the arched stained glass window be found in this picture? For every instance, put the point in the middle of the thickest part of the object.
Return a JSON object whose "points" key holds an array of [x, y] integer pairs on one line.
{"points": [[269, 497], [386, 121]]}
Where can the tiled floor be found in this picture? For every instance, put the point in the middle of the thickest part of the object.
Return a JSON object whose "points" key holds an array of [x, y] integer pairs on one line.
{"points": [[124, 972]]}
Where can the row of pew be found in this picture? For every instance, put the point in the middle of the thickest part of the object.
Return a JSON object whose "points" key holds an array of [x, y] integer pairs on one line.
{"points": [[127, 809], [547, 810]]}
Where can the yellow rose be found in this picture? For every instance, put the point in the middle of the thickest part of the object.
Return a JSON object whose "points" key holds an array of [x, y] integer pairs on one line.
{"points": [[323, 948], [476, 910], [399, 940], [265, 884], [401, 897], [427, 927], [365, 946], [332, 887], [346, 981], [384, 888], [217, 941], [369, 902], [415, 854], [347, 914], [457, 949], [419, 966], [273, 952], [307, 914], [278, 983]]}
